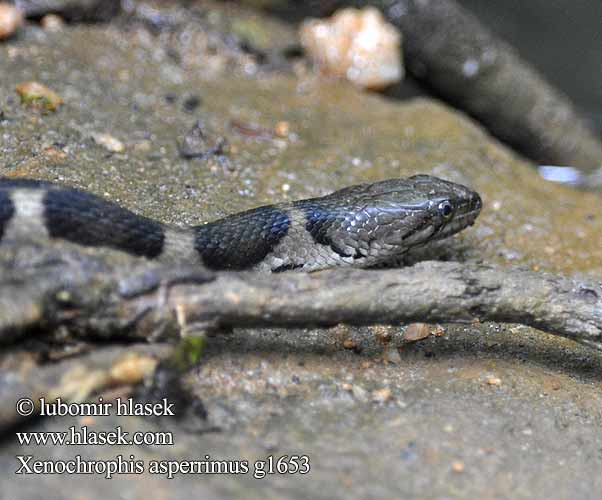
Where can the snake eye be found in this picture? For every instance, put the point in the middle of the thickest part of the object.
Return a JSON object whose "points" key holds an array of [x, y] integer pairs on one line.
{"points": [[446, 209]]}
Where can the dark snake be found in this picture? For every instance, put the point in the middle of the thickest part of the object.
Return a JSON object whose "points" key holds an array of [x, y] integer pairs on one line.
{"points": [[362, 226]]}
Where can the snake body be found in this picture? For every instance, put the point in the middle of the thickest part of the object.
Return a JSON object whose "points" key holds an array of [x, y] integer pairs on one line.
{"points": [[362, 226]]}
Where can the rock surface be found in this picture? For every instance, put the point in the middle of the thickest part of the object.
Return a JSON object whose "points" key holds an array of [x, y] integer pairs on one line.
{"points": [[429, 425]]}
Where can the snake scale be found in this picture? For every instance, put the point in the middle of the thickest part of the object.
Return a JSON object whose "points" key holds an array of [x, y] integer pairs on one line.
{"points": [[361, 226]]}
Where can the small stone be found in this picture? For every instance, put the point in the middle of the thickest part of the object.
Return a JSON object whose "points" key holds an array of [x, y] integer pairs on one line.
{"points": [[359, 393], [191, 103], [355, 44], [383, 333], [87, 420], [11, 18], [391, 355], [52, 22], [416, 331], [347, 387], [457, 467], [36, 95], [255, 131], [494, 381], [439, 331], [63, 296], [143, 146], [132, 368], [53, 152], [198, 143], [282, 129], [109, 142], [349, 344], [382, 395]]}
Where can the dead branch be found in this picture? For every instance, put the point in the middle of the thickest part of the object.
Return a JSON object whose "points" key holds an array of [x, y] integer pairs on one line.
{"points": [[96, 295]]}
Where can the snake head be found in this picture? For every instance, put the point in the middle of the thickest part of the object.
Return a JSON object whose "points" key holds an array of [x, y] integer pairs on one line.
{"points": [[372, 224], [445, 208]]}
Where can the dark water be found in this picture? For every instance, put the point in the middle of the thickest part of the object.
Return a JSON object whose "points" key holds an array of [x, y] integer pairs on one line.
{"points": [[562, 38]]}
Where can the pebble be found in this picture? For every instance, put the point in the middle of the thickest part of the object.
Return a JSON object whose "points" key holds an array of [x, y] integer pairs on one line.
{"points": [[382, 395], [109, 142], [457, 467], [144, 146], [439, 331], [11, 18], [391, 355], [359, 393], [191, 103], [36, 95], [494, 381], [349, 344], [52, 22], [416, 331], [132, 368], [199, 143], [87, 420], [383, 333], [282, 129], [355, 44]]}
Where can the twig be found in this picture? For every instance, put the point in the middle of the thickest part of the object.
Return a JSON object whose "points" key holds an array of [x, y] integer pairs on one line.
{"points": [[93, 295]]}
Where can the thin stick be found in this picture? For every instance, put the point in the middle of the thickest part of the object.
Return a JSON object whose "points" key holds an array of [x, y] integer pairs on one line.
{"points": [[94, 295]]}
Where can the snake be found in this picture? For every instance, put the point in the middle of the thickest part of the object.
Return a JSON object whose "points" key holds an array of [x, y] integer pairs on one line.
{"points": [[366, 225]]}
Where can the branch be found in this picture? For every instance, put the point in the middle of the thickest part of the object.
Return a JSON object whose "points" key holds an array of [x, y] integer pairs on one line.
{"points": [[100, 296]]}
